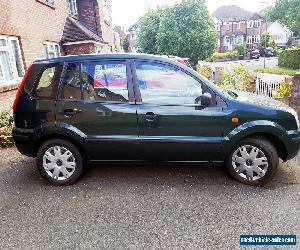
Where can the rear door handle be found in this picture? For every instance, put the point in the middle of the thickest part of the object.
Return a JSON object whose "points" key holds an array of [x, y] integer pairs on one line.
{"points": [[71, 112], [150, 117]]}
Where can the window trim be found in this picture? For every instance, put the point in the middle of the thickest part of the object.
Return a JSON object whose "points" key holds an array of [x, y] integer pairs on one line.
{"points": [[127, 62], [139, 101]]}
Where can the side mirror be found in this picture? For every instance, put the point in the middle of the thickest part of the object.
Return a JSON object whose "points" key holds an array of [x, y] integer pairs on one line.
{"points": [[204, 99]]}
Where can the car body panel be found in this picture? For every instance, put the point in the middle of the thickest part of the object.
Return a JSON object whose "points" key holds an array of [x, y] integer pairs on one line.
{"points": [[119, 131]]}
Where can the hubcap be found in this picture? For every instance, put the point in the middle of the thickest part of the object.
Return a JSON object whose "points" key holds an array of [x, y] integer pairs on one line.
{"points": [[249, 162], [59, 163]]}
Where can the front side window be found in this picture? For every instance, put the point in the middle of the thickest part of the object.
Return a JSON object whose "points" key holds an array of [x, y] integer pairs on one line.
{"points": [[163, 84], [46, 86]]}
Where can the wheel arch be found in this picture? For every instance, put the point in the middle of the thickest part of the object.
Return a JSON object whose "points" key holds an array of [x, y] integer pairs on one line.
{"points": [[53, 136]]}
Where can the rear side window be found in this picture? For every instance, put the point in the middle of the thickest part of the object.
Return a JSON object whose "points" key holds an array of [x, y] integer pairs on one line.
{"points": [[48, 81]]}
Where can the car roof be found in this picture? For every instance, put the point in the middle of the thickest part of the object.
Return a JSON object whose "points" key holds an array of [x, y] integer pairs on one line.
{"points": [[121, 56]]}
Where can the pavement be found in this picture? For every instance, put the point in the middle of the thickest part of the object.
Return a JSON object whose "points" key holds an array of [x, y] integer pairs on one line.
{"points": [[146, 206]]}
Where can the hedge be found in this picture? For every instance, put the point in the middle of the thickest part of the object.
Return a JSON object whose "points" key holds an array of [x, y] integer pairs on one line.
{"points": [[289, 58], [228, 54], [278, 71]]}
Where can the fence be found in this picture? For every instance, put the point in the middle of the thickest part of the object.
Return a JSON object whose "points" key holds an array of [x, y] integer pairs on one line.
{"points": [[266, 88]]}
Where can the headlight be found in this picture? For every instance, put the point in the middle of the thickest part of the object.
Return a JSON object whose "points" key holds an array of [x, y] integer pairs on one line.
{"points": [[294, 113]]}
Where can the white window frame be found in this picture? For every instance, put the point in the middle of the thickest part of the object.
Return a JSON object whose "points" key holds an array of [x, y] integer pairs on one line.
{"points": [[11, 57], [249, 40], [228, 26], [238, 26], [52, 50], [72, 4], [250, 24]]}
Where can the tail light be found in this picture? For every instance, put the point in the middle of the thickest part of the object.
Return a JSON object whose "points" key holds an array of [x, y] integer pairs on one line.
{"points": [[20, 89]]}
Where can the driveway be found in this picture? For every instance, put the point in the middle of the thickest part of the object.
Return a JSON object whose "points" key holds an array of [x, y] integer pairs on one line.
{"points": [[271, 62], [142, 207]]}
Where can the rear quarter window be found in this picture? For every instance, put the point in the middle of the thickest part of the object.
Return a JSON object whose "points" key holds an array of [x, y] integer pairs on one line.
{"points": [[47, 82]]}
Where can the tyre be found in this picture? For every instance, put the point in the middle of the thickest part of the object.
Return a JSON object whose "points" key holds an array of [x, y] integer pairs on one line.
{"points": [[253, 161], [59, 162]]}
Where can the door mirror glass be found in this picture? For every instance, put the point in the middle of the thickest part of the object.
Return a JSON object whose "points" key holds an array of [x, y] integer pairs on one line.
{"points": [[204, 100]]}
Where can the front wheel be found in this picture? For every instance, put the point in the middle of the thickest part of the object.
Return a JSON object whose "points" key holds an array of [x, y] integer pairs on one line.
{"points": [[59, 162], [253, 161]]}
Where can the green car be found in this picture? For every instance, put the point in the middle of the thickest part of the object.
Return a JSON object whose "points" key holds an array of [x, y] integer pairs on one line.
{"points": [[74, 110]]}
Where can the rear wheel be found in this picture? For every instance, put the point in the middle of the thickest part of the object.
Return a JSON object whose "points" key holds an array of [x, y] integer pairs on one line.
{"points": [[253, 161], [59, 162]]}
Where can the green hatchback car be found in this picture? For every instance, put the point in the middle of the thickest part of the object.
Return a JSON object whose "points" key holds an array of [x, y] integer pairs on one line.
{"points": [[74, 110]]}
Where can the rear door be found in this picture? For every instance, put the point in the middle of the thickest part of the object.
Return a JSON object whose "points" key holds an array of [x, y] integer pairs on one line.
{"points": [[172, 125], [97, 103]]}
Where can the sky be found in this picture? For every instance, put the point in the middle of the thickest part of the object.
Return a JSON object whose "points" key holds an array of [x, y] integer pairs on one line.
{"points": [[127, 12]]}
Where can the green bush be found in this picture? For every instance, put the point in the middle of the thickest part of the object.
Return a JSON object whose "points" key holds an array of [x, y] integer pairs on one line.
{"points": [[289, 58], [284, 90], [238, 78], [278, 71], [6, 124], [205, 71], [225, 55], [241, 49]]}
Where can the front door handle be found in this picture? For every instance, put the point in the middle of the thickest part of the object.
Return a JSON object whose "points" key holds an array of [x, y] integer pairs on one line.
{"points": [[71, 112], [150, 117]]}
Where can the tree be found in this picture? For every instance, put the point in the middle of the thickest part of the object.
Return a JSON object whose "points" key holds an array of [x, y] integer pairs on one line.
{"points": [[288, 13], [126, 43], [148, 31], [185, 29], [265, 39], [273, 45]]}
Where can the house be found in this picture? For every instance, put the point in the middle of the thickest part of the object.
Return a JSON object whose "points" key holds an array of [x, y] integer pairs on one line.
{"points": [[133, 37], [238, 26], [119, 38], [280, 34], [34, 29]]}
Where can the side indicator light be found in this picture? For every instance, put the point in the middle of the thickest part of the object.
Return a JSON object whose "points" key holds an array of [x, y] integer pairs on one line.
{"points": [[235, 120]]}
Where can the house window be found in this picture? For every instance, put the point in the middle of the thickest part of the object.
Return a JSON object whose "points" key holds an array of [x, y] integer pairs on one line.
{"points": [[11, 63], [238, 26], [218, 27], [72, 7], [47, 2], [250, 24], [255, 39], [51, 50], [106, 12], [228, 26], [256, 23], [249, 39]]}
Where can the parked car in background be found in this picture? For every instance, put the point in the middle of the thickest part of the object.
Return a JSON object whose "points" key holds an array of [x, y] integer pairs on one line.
{"points": [[182, 60], [254, 54], [267, 52], [74, 110]]}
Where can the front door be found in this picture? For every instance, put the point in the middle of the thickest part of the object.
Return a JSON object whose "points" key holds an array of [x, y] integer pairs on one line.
{"points": [[97, 104], [172, 124]]}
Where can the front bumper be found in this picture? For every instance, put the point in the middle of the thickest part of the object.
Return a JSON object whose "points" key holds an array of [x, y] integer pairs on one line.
{"points": [[292, 143]]}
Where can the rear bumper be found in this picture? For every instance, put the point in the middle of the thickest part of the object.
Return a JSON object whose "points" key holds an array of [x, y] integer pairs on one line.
{"points": [[292, 143], [25, 141]]}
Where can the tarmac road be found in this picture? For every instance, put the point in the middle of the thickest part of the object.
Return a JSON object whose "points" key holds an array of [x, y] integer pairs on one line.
{"points": [[142, 207]]}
